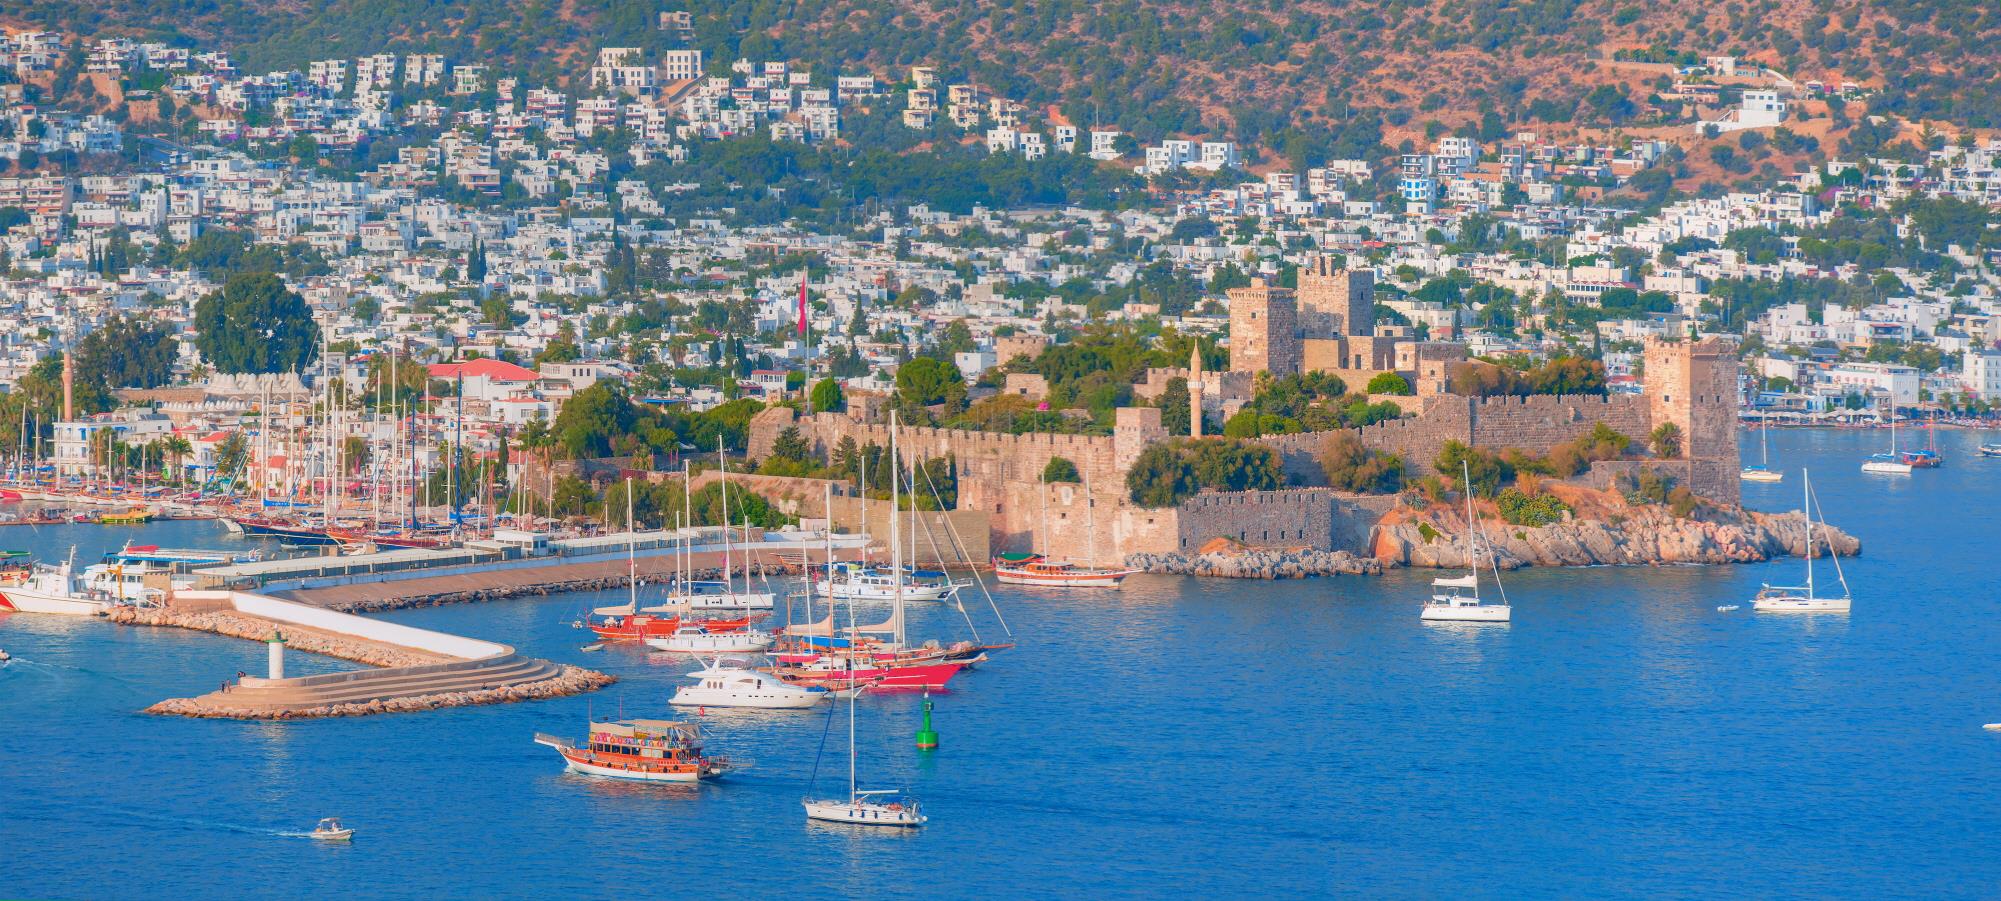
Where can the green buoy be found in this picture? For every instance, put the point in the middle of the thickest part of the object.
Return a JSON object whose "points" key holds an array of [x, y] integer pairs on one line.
{"points": [[927, 737]]}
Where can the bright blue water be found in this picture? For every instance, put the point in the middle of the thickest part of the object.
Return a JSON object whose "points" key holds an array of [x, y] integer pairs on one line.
{"points": [[1621, 738]]}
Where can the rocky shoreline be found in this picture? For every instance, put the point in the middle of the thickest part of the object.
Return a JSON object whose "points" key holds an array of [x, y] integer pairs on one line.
{"points": [[1257, 564], [1646, 535], [572, 680]]}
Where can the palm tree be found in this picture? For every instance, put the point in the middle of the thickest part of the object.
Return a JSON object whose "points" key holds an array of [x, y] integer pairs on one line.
{"points": [[176, 448]]}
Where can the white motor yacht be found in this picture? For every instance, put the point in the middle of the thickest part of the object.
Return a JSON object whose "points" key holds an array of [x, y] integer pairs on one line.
{"points": [[856, 582], [726, 683]]}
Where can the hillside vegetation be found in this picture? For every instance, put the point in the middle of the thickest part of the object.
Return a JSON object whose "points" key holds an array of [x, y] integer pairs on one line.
{"points": [[1322, 73]]}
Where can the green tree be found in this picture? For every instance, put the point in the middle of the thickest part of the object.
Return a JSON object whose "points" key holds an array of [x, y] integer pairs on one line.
{"points": [[593, 419], [1390, 383], [827, 396], [1060, 469], [128, 352], [1352, 466], [791, 445], [256, 324], [1485, 468], [925, 381], [1161, 477]]}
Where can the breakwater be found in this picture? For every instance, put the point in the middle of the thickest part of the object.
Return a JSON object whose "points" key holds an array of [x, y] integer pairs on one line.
{"points": [[1648, 535], [416, 669], [568, 680], [1258, 564]]}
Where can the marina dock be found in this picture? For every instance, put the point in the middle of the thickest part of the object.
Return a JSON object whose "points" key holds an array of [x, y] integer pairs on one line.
{"points": [[503, 568]]}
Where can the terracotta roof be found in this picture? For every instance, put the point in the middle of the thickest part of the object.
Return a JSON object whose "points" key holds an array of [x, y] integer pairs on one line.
{"points": [[498, 370]]}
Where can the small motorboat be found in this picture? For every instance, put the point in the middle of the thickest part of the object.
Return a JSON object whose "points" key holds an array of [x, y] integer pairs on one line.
{"points": [[1726, 608], [593, 647], [4, 656], [1990, 450], [1992, 727], [330, 830]]}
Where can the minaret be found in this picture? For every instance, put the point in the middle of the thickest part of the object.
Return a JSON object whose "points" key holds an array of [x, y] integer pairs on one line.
{"points": [[69, 386], [1195, 391]]}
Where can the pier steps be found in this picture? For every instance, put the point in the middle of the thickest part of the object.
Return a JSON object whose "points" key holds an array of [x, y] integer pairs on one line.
{"points": [[384, 684]]}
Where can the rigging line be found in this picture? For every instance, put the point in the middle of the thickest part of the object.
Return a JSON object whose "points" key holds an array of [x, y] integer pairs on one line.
{"points": [[977, 580], [932, 538], [825, 729]]}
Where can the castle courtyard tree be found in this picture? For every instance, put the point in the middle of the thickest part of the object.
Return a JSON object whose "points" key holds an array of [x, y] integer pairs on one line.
{"points": [[1666, 440], [256, 324]]}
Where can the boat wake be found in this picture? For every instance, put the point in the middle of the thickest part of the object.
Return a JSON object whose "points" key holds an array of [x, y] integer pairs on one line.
{"points": [[198, 825]]}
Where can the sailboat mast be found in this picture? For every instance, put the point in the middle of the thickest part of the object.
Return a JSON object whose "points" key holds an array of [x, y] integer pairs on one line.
{"points": [[631, 560], [1472, 557], [724, 463], [895, 531], [1806, 508]]}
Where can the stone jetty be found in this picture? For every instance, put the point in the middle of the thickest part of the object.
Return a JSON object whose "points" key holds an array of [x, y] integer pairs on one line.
{"points": [[410, 669], [569, 680]]}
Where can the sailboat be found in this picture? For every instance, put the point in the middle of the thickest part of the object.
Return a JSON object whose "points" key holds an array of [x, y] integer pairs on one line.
{"points": [[1892, 463], [1801, 598], [1929, 458], [870, 807], [1037, 569], [885, 664], [1763, 472], [1460, 600]]}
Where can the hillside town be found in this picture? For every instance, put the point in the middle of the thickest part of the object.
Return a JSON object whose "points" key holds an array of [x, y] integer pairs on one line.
{"points": [[409, 269]]}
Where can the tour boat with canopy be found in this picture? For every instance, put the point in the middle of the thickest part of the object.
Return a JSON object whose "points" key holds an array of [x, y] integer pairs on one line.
{"points": [[330, 830], [1801, 598], [1034, 569], [641, 750]]}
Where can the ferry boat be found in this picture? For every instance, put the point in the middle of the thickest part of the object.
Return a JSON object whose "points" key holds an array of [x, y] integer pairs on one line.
{"points": [[1034, 569], [56, 590], [726, 683], [133, 517], [640, 750], [856, 582]]}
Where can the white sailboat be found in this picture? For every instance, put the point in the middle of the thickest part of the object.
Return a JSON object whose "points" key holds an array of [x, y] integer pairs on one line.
{"points": [[865, 807], [1460, 600], [1892, 463], [1801, 598], [1763, 472]]}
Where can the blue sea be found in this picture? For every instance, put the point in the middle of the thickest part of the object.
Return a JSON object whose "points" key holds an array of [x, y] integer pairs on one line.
{"points": [[1622, 738]]}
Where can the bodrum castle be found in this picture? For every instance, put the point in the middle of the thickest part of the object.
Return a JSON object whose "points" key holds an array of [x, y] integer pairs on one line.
{"points": [[1326, 326]]}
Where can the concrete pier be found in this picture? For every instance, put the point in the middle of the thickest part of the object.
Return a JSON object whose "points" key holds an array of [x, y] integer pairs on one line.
{"points": [[418, 669]]}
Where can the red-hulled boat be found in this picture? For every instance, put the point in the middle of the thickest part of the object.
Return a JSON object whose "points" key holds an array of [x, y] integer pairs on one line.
{"points": [[641, 626]]}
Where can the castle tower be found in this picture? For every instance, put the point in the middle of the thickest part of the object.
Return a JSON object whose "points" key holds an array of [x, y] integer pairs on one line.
{"points": [[1693, 384], [1195, 391], [1264, 329], [1335, 302]]}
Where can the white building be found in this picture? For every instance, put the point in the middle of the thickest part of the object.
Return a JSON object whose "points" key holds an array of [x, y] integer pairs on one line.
{"points": [[1980, 371]]}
